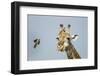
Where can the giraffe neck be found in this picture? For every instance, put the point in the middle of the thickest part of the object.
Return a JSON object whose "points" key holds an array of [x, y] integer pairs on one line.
{"points": [[72, 52]]}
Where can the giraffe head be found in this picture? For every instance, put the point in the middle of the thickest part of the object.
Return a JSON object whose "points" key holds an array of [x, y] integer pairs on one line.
{"points": [[64, 37]]}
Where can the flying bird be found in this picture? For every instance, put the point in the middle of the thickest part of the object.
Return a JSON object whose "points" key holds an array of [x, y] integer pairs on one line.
{"points": [[36, 42]]}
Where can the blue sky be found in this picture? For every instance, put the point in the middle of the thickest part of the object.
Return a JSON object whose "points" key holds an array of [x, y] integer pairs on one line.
{"points": [[46, 28]]}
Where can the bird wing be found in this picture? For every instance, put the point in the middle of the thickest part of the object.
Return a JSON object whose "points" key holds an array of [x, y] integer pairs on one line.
{"points": [[38, 41]]}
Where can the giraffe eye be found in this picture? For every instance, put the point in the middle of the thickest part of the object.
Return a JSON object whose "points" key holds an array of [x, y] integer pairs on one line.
{"points": [[68, 38]]}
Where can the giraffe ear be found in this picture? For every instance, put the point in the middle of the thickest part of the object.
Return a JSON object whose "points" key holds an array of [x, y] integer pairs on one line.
{"points": [[75, 37], [57, 38]]}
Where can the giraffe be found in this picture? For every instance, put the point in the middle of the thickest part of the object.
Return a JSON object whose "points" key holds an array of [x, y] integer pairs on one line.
{"points": [[64, 42]]}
